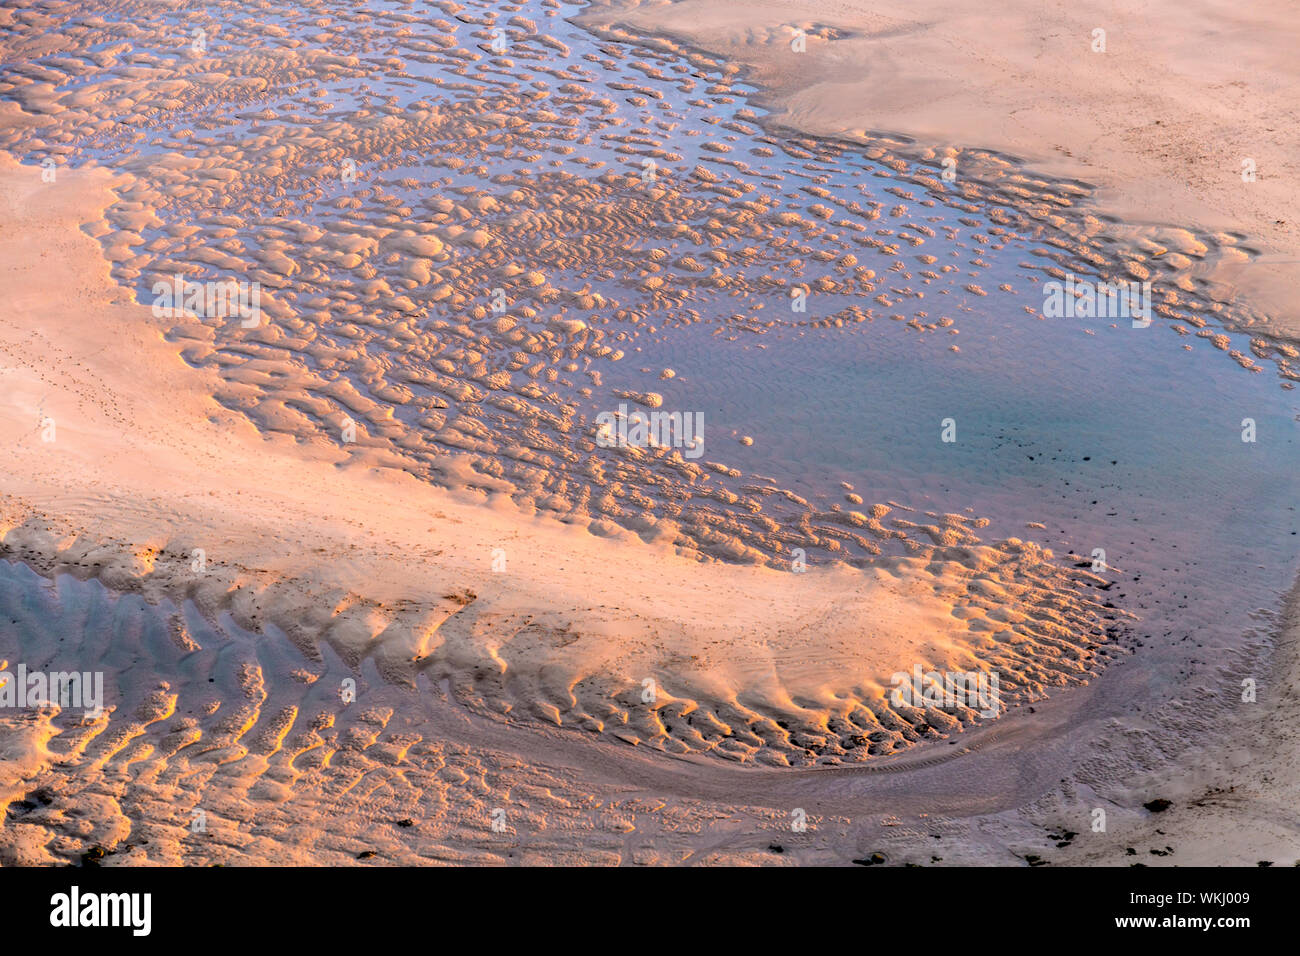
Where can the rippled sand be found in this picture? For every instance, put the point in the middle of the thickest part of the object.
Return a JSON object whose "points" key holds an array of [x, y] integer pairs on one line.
{"points": [[466, 254]]}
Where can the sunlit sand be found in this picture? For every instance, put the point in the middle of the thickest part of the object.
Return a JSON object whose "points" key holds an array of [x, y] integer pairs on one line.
{"points": [[594, 425]]}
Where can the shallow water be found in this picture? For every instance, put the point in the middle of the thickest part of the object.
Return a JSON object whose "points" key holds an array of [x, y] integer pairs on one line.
{"points": [[1119, 440]]}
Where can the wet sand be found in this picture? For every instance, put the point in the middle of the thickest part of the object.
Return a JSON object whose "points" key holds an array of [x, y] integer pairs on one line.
{"points": [[380, 565], [1161, 121], [489, 573]]}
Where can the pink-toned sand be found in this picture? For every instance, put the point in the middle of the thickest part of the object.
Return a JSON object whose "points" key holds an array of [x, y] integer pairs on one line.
{"points": [[1162, 120], [339, 551]]}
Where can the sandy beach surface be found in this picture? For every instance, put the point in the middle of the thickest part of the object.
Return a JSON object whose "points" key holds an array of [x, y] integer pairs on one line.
{"points": [[1161, 120], [469, 632], [144, 469]]}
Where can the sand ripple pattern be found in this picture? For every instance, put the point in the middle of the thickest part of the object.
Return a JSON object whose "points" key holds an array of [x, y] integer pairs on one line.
{"points": [[616, 192], [522, 224]]}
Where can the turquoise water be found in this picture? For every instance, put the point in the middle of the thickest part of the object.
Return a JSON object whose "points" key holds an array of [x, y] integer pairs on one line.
{"points": [[1121, 440]]}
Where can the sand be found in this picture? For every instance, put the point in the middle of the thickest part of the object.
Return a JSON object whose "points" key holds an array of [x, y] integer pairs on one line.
{"points": [[533, 624], [366, 571], [1161, 121], [1230, 805], [144, 469]]}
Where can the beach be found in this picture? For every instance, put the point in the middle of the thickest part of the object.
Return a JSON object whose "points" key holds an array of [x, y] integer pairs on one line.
{"points": [[373, 571], [1159, 120]]}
